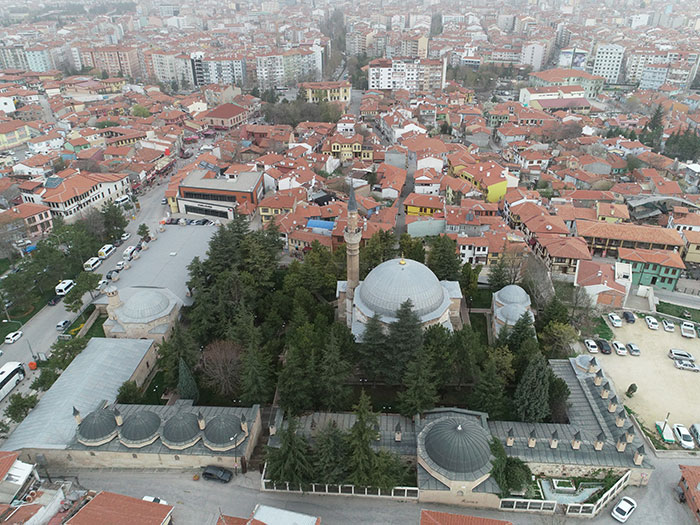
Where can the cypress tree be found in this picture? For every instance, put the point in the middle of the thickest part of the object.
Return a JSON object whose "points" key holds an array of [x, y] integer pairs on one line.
{"points": [[290, 462], [256, 376], [361, 457], [334, 374], [489, 393], [186, 385], [372, 349], [420, 390], [443, 259], [532, 393], [404, 339], [330, 455], [295, 385]]}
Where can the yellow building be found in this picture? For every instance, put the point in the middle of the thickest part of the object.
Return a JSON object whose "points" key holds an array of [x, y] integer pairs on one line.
{"points": [[346, 148], [13, 133], [692, 244], [418, 204], [316, 92]]}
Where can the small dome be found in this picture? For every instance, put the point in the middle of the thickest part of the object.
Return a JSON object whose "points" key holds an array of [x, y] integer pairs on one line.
{"points": [[180, 429], [458, 445], [512, 294], [223, 430], [391, 283], [510, 313], [98, 425], [140, 426], [146, 303]]}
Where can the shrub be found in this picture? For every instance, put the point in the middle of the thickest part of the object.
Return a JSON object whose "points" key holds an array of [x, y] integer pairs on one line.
{"points": [[631, 390], [20, 405]]}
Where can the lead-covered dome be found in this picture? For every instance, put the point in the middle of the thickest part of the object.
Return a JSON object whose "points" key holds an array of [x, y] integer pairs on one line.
{"points": [[98, 427], [393, 282], [180, 431], [139, 428], [457, 445], [146, 304], [512, 294]]}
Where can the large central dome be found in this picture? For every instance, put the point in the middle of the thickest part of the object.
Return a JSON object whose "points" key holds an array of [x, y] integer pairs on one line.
{"points": [[458, 445], [391, 283]]}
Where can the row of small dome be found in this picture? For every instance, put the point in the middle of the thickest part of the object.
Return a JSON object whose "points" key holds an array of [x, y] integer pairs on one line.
{"points": [[221, 433]]}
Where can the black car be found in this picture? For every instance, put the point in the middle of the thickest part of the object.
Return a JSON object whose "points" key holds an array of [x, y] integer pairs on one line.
{"points": [[118, 242], [54, 300], [215, 473], [604, 346], [629, 317], [111, 274]]}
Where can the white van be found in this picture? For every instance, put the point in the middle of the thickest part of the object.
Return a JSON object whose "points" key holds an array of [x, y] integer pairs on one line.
{"points": [[91, 264], [106, 251], [120, 201], [64, 287], [129, 253]]}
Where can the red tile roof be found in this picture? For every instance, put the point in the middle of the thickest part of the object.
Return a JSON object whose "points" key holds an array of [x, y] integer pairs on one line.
{"points": [[433, 517], [661, 257], [108, 508]]}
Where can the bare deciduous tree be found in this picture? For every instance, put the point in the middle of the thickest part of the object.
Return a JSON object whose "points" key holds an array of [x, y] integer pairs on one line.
{"points": [[538, 280], [220, 366]]}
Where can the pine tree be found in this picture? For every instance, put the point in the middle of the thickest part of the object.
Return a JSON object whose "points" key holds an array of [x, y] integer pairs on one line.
{"points": [[498, 274], [489, 394], [443, 259], [521, 331], [532, 393], [420, 390], [290, 462], [404, 339], [469, 281], [468, 350], [186, 385], [373, 349], [334, 374], [361, 458], [555, 311], [256, 376], [295, 385], [412, 248], [330, 455], [438, 345]]}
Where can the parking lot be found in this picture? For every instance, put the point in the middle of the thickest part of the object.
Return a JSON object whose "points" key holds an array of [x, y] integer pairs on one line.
{"points": [[661, 387]]}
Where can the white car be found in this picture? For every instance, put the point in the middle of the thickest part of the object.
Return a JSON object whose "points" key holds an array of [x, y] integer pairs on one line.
{"points": [[101, 284], [687, 365], [12, 337], [668, 325], [619, 348], [153, 499], [688, 329], [624, 509], [615, 320], [591, 346], [633, 349], [121, 265], [125, 236], [683, 436], [681, 355], [652, 323]]}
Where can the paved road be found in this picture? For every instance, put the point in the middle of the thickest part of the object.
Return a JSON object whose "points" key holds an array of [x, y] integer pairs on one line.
{"points": [[355, 100]]}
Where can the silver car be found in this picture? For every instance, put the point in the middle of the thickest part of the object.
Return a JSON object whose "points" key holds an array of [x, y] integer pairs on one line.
{"points": [[633, 349], [687, 365], [681, 355]]}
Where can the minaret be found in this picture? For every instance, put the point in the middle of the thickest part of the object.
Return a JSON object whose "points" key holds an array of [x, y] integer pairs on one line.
{"points": [[353, 235]]}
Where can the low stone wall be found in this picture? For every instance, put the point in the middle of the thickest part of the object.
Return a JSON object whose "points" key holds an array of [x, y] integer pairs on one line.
{"points": [[88, 323]]}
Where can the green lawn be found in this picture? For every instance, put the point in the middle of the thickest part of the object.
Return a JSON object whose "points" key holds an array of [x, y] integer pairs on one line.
{"points": [[482, 299], [479, 326], [4, 265], [23, 316], [677, 311], [602, 329], [96, 329], [74, 328], [155, 389]]}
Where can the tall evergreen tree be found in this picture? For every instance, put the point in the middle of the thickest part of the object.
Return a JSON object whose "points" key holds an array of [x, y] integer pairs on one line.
{"points": [[179, 345], [404, 339], [555, 311], [437, 341], [291, 461], [469, 281], [468, 350], [443, 259], [489, 394], [420, 389], [521, 331], [256, 376], [380, 247], [361, 458], [295, 385], [373, 349], [334, 374], [186, 385], [531, 398], [330, 455], [412, 248], [498, 274]]}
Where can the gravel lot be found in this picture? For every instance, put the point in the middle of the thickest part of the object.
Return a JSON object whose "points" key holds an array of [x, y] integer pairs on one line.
{"points": [[661, 387]]}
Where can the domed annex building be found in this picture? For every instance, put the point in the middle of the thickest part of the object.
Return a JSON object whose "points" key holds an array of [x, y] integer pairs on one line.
{"points": [[508, 305], [391, 284]]}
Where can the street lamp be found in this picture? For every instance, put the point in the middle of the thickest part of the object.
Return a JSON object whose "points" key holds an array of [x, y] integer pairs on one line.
{"points": [[31, 351]]}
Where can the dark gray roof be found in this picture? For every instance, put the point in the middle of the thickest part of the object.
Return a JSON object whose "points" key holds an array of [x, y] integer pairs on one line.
{"points": [[180, 429], [458, 445], [139, 426], [97, 425], [223, 429], [428, 482]]}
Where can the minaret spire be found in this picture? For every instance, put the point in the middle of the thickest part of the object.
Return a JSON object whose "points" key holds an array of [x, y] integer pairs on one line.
{"points": [[353, 236]]}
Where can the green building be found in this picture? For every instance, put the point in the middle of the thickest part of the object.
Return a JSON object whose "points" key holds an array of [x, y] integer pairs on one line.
{"points": [[657, 268]]}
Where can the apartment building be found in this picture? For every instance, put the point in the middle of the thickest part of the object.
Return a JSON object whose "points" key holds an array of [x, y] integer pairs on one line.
{"points": [[284, 68], [168, 67], [39, 59], [591, 84], [534, 54], [13, 56], [326, 91], [608, 62], [407, 73], [653, 76], [115, 60], [13, 133], [33, 220], [414, 46], [218, 69]]}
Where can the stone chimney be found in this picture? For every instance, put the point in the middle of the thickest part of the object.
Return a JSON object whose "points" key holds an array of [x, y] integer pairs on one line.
{"points": [[532, 440], [510, 439], [621, 444], [397, 432], [76, 415], [244, 425], [605, 390], [629, 434], [118, 417], [200, 421], [576, 441], [113, 300], [612, 404], [593, 366], [598, 443], [272, 428], [620, 418], [598, 379], [554, 440], [639, 455]]}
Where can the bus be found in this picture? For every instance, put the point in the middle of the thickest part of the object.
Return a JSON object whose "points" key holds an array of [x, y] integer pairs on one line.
{"points": [[91, 264], [64, 287], [129, 253], [106, 251], [120, 201], [10, 375]]}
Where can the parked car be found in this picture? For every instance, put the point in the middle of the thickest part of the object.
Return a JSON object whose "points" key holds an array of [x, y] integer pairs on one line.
{"points": [[112, 274], [54, 300], [629, 317], [215, 473], [688, 330], [695, 432], [683, 436], [102, 283], [624, 509], [153, 499], [164, 201], [686, 365], [118, 242], [591, 346], [615, 320], [63, 325], [604, 346], [12, 337], [681, 355], [619, 348], [652, 323], [125, 236], [633, 349], [120, 265], [668, 325]]}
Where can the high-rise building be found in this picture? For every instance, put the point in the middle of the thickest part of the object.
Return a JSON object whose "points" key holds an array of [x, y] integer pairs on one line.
{"points": [[419, 74], [608, 62]]}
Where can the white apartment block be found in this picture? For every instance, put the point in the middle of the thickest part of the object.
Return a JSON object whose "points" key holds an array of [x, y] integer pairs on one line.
{"points": [[285, 68], [534, 54], [39, 59], [407, 73], [608, 62], [218, 70]]}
